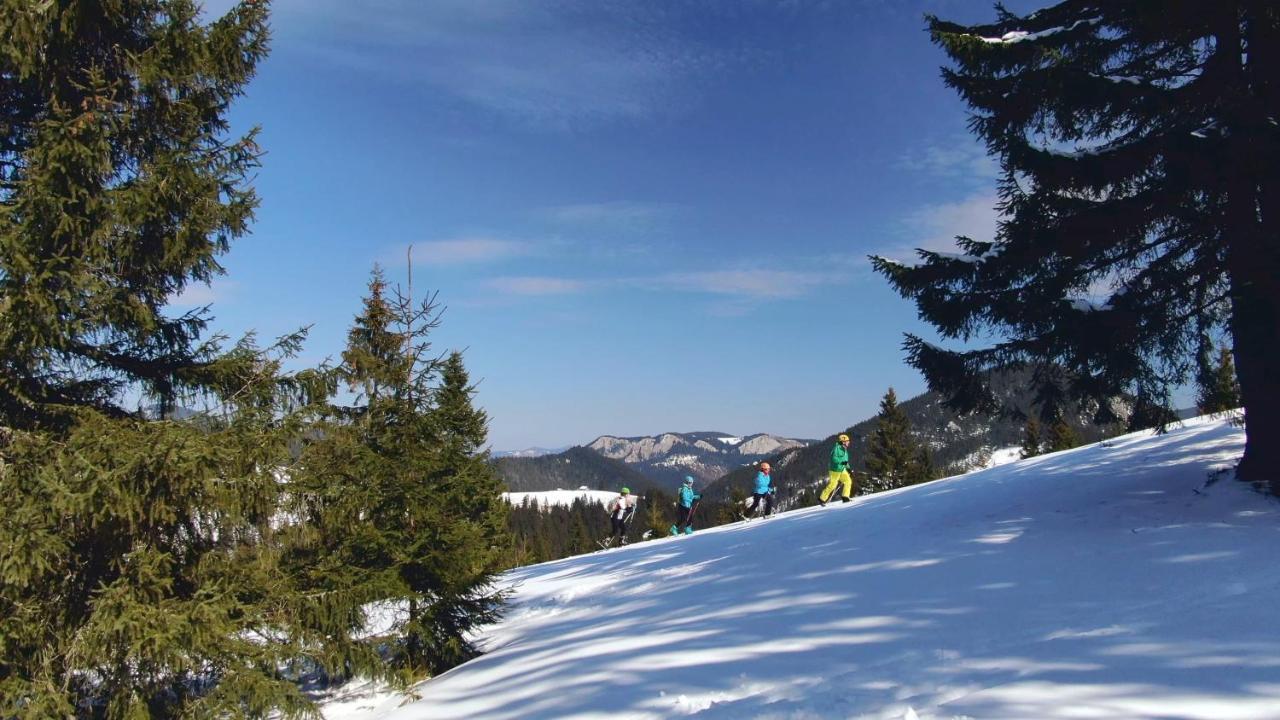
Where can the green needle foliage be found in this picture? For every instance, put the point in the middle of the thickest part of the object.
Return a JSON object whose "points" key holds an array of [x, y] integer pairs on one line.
{"points": [[397, 503], [138, 557], [139, 575], [1140, 199], [894, 458], [118, 189]]}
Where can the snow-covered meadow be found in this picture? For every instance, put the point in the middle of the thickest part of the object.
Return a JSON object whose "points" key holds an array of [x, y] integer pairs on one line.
{"points": [[1117, 580], [551, 498]]}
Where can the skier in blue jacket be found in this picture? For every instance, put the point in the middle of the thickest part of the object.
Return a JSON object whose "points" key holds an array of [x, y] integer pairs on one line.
{"points": [[686, 500], [763, 491]]}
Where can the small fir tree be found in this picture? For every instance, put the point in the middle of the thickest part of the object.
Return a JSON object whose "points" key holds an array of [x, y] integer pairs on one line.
{"points": [[1061, 435], [659, 513], [925, 469], [892, 455], [1032, 439], [405, 504], [1219, 391]]}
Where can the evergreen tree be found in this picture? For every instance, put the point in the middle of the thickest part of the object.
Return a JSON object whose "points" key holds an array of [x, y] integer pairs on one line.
{"points": [[892, 456], [1218, 389], [119, 188], [1138, 150], [1061, 435], [1150, 414], [729, 511], [659, 513], [924, 470], [401, 504], [1031, 439], [138, 555]]}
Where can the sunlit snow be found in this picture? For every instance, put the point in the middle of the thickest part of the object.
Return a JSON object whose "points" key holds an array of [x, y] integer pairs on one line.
{"points": [[1117, 580]]}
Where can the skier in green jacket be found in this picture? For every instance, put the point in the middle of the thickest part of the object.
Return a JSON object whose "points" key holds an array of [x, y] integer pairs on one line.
{"points": [[838, 472]]}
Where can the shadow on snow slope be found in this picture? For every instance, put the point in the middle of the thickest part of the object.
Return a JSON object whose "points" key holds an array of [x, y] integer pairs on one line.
{"points": [[1088, 583]]}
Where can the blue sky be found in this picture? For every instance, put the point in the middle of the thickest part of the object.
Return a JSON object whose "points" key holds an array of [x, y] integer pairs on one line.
{"points": [[641, 217]]}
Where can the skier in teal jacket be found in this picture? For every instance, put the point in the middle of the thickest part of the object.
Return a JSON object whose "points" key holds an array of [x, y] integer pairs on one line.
{"points": [[763, 491], [686, 501]]}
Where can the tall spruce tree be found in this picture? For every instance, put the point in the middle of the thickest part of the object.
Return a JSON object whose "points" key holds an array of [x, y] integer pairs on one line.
{"points": [[138, 573], [893, 459], [1140, 155], [119, 188]]}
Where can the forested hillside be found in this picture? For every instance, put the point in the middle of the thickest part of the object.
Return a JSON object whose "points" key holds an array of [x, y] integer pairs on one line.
{"points": [[573, 468]]}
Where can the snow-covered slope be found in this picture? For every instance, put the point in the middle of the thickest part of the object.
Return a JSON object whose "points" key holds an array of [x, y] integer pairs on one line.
{"points": [[1111, 581]]}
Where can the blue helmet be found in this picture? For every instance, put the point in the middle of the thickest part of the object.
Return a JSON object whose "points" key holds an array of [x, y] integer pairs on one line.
{"points": [[688, 479]]}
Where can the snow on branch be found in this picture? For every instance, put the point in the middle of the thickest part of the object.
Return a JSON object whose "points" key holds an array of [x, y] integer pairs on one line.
{"points": [[1021, 35]]}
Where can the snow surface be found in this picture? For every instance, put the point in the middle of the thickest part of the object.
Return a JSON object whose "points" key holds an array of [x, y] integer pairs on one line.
{"points": [[548, 498], [1109, 581]]}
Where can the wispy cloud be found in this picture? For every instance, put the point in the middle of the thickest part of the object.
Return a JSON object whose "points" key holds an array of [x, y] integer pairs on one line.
{"points": [[961, 157], [197, 295], [616, 215], [748, 284], [465, 251], [532, 285], [550, 64]]}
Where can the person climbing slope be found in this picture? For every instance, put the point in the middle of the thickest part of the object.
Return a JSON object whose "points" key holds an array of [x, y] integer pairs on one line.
{"points": [[838, 472], [621, 509], [686, 503], [763, 490]]}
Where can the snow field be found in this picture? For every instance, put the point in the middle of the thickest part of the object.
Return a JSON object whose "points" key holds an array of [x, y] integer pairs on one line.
{"points": [[1109, 581]]}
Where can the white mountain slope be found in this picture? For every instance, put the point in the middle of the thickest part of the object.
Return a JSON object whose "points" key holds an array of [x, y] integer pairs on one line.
{"points": [[1103, 582]]}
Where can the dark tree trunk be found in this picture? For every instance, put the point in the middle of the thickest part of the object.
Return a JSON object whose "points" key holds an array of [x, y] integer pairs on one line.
{"points": [[1253, 256], [1256, 330]]}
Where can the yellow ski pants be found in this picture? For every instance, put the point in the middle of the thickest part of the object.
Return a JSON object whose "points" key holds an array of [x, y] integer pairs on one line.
{"points": [[837, 477]]}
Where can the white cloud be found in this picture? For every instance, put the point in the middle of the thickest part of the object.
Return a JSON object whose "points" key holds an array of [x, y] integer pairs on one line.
{"points": [[935, 227], [466, 250], [199, 294], [537, 285]]}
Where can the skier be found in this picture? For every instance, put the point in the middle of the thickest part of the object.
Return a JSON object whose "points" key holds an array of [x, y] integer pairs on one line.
{"points": [[686, 501], [621, 509], [763, 491], [838, 472]]}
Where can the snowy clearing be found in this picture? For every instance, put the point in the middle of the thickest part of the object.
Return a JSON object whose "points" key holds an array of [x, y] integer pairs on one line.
{"points": [[550, 498], [1110, 581]]}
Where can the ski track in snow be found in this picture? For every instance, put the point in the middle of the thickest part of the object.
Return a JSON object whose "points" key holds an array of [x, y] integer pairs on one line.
{"points": [[1109, 581]]}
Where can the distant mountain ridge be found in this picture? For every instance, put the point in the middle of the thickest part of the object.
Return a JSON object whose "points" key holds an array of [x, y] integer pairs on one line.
{"points": [[667, 458], [569, 470], [641, 462], [527, 452]]}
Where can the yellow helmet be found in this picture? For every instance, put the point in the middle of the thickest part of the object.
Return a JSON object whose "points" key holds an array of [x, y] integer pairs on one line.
{"points": [[843, 438]]}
